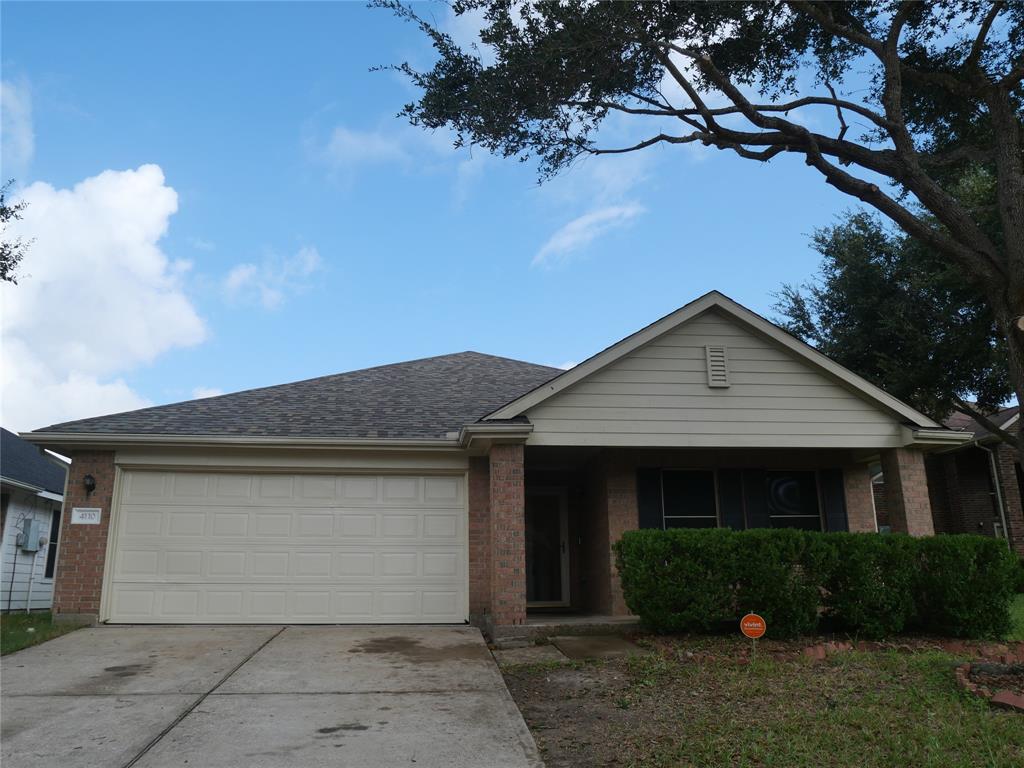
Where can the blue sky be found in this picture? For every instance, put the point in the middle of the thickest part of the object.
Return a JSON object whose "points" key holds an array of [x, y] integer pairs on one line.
{"points": [[310, 231]]}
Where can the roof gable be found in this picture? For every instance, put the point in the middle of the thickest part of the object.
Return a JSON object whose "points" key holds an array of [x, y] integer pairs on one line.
{"points": [[750, 324]]}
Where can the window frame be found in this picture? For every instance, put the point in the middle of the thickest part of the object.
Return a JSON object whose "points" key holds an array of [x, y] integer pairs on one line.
{"points": [[815, 473], [820, 501], [714, 491], [53, 543]]}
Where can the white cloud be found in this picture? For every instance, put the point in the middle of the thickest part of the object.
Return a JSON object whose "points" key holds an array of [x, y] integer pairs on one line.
{"points": [[201, 392], [567, 365], [348, 149], [97, 297], [582, 231], [273, 280], [17, 137]]}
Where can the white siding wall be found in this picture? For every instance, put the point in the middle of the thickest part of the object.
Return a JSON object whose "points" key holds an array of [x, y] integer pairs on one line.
{"points": [[659, 396], [22, 564]]}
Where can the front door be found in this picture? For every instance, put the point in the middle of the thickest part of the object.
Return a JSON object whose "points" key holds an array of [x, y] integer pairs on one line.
{"points": [[547, 549]]}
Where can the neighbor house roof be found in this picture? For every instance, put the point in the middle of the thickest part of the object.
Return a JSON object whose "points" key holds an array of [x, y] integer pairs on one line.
{"points": [[421, 399], [1003, 418], [26, 464]]}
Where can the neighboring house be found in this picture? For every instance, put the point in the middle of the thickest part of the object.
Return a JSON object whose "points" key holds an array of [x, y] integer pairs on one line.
{"points": [[976, 487], [31, 492], [472, 487]]}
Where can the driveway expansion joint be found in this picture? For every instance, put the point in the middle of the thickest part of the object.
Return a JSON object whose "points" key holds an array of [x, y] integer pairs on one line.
{"points": [[201, 699]]}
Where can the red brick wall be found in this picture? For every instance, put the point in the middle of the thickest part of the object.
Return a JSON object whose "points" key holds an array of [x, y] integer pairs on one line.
{"points": [[83, 548], [860, 509], [623, 515], [1006, 461], [906, 486], [508, 535], [479, 538], [943, 493]]}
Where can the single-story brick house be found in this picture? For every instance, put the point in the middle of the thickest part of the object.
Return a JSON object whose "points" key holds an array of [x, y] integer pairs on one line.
{"points": [[976, 487], [474, 488]]}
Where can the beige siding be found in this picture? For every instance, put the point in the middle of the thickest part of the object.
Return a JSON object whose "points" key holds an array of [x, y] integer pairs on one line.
{"points": [[659, 396]]}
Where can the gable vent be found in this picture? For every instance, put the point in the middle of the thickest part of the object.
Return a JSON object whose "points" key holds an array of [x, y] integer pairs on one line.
{"points": [[718, 366]]}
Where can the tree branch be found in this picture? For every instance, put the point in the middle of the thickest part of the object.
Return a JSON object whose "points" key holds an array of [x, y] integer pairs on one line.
{"points": [[978, 47], [969, 410]]}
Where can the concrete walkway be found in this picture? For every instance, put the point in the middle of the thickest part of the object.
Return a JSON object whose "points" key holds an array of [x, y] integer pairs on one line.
{"points": [[253, 696]]}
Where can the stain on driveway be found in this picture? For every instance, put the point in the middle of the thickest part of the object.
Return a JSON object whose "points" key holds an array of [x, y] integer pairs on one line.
{"points": [[253, 696]]}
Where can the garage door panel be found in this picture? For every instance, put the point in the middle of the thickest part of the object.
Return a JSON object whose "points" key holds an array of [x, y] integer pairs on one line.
{"points": [[223, 547], [286, 603]]}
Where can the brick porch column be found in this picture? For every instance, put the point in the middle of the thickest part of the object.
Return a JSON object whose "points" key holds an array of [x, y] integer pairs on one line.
{"points": [[508, 536], [906, 489], [479, 540], [82, 549], [623, 515], [860, 502]]}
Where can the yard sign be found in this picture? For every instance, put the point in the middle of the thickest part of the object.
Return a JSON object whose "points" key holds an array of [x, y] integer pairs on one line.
{"points": [[753, 626]]}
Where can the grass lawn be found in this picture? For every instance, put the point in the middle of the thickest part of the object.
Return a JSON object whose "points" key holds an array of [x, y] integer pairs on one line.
{"points": [[20, 630], [667, 709]]}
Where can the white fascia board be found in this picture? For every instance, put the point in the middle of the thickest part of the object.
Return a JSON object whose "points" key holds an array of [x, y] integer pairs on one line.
{"points": [[715, 300], [71, 440], [936, 438], [51, 496]]}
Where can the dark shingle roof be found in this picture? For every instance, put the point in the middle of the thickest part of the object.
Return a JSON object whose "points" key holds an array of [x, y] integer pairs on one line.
{"points": [[420, 399], [26, 463], [961, 422]]}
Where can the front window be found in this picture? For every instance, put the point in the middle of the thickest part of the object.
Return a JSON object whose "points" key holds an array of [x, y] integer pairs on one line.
{"points": [[793, 500], [688, 498]]}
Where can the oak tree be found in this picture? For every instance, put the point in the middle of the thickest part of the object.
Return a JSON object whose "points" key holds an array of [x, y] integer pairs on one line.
{"points": [[937, 85]]}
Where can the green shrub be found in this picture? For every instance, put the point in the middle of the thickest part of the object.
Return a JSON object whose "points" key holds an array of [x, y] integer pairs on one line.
{"points": [[778, 575], [676, 580], [870, 591], [964, 585], [694, 580]]}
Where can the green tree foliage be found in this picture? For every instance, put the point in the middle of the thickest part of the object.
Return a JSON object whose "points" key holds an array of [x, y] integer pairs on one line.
{"points": [[889, 308], [944, 101], [11, 251]]}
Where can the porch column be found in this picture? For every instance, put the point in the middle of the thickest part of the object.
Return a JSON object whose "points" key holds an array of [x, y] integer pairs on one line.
{"points": [[508, 536], [623, 515], [906, 490], [860, 501]]}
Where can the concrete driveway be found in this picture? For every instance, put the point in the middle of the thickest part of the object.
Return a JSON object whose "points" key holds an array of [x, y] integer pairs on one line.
{"points": [[251, 696]]}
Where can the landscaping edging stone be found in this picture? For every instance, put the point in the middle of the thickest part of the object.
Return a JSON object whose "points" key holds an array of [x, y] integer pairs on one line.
{"points": [[1004, 699]]}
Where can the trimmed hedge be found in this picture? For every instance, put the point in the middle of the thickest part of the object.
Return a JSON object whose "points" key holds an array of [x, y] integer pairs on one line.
{"points": [[866, 584]]}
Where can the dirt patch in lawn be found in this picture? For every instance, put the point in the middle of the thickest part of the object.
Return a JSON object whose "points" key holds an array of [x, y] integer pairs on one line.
{"points": [[709, 702]]}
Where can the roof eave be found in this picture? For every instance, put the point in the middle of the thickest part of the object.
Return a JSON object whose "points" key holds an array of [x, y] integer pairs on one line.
{"points": [[70, 440]]}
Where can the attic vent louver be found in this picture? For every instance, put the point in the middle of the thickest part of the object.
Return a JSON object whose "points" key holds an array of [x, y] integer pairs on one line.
{"points": [[718, 366]]}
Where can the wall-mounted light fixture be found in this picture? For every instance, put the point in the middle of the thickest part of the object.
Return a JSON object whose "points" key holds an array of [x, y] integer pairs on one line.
{"points": [[90, 484]]}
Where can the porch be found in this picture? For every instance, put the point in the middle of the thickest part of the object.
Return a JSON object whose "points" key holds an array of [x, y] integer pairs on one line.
{"points": [[544, 519]]}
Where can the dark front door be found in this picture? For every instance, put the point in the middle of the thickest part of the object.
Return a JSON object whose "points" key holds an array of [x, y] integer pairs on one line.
{"points": [[546, 555]]}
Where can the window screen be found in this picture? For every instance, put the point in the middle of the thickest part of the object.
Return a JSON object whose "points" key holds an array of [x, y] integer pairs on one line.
{"points": [[688, 498], [793, 500]]}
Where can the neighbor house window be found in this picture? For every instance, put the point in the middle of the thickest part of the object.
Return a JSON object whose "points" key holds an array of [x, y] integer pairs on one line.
{"points": [[793, 500], [688, 498], [51, 548]]}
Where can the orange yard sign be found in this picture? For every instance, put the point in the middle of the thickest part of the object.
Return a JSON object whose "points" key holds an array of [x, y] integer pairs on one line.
{"points": [[752, 626]]}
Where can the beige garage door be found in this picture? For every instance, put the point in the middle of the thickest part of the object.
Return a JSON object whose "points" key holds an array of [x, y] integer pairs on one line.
{"points": [[212, 547]]}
